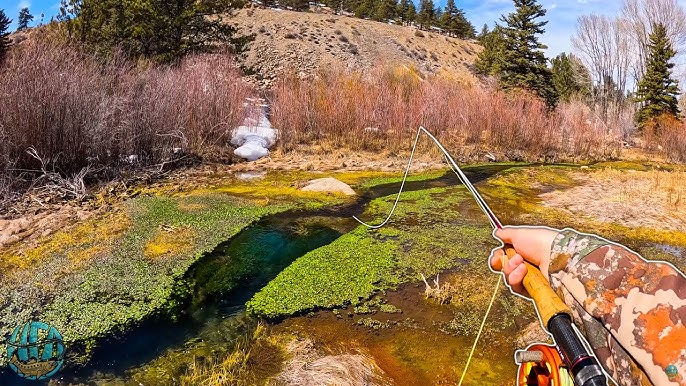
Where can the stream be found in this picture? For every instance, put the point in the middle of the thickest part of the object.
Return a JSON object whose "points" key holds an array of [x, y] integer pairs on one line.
{"points": [[224, 280]]}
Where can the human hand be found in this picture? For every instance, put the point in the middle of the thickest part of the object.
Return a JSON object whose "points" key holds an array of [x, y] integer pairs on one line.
{"points": [[531, 244]]}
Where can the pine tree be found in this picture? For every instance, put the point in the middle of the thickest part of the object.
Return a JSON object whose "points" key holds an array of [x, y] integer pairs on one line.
{"points": [[427, 14], [296, 5], [159, 29], [4, 41], [365, 9], [24, 19], [447, 21], [570, 77], [402, 10], [410, 13], [524, 64], [482, 35], [385, 10], [657, 91], [490, 59], [438, 14], [464, 29]]}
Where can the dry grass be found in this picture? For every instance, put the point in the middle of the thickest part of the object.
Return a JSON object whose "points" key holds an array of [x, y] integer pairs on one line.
{"points": [[309, 367], [348, 110], [242, 366], [653, 199]]}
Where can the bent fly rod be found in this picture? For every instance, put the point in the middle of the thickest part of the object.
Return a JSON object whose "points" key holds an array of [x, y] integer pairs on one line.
{"points": [[555, 315]]}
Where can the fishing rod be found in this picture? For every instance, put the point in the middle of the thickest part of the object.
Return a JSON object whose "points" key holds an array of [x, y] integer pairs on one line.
{"points": [[555, 315]]}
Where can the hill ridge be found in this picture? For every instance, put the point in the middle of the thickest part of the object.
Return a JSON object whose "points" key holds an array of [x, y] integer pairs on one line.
{"points": [[304, 42]]}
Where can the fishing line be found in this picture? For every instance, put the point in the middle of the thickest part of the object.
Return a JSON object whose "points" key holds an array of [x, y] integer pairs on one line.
{"points": [[453, 166], [482, 204]]}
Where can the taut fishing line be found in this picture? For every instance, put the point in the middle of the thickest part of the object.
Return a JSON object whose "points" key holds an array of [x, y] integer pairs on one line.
{"points": [[482, 204]]}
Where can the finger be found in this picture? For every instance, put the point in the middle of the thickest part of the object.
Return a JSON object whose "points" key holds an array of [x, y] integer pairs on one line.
{"points": [[514, 279], [512, 264], [496, 259]]}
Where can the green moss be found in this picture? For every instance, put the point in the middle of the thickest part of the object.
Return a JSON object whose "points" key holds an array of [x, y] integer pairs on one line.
{"points": [[139, 271], [391, 178], [426, 235], [340, 273]]}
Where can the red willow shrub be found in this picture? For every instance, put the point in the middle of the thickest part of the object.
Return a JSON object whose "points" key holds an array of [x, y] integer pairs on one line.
{"points": [[383, 110], [667, 135], [76, 111]]}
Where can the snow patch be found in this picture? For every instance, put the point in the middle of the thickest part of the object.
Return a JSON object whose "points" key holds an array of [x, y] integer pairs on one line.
{"points": [[256, 135]]}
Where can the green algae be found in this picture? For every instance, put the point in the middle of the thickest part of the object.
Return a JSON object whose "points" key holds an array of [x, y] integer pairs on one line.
{"points": [[137, 272], [125, 287], [426, 235]]}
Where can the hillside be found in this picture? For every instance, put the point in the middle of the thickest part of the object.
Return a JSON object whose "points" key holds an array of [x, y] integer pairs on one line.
{"points": [[304, 42]]}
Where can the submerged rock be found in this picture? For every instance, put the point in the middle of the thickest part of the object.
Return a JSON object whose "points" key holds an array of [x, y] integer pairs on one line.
{"points": [[330, 185]]}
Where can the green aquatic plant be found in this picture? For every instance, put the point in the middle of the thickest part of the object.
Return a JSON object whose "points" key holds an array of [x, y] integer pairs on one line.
{"points": [[428, 234], [136, 271]]}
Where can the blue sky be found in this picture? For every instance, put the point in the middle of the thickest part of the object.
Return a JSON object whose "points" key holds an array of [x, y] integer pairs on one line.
{"points": [[561, 15]]}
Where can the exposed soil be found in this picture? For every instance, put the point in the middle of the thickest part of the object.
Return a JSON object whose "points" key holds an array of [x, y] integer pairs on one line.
{"points": [[304, 42], [653, 199]]}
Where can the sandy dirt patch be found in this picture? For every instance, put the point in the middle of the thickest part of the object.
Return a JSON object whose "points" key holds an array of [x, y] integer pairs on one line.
{"points": [[653, 199]]}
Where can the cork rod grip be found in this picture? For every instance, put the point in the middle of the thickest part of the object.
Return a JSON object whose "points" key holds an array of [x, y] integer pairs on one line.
{"points": [[547, 302]]}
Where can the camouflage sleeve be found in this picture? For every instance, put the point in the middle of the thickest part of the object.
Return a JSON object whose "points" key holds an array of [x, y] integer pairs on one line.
{"points": [[632, 312]]}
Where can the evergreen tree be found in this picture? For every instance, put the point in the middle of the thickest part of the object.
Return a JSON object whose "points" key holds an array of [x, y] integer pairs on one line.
{"points": [[427, 14], [365, 9], [524, 64], [159, 29], [490, 59], [482, 35], [24, 19], [410, 13], [445, 21], [4, 41], [438, 14], [402, 10], [385, 10], [454, 22], [296, 5], [570, 77], [657, 91]]}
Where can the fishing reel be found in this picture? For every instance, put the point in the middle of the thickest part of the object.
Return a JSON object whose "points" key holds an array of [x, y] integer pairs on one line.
{"points": [[542, 365]]}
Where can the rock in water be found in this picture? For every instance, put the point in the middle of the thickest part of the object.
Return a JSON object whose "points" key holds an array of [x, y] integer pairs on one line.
{"points": [[330, 185]]}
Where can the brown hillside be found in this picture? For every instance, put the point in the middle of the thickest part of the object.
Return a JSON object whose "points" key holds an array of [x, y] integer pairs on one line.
{"points": [[305, 42]]}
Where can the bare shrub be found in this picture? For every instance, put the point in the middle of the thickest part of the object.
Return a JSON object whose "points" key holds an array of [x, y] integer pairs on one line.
{"points": [[75, 111], [667, 135], [382, 111]]}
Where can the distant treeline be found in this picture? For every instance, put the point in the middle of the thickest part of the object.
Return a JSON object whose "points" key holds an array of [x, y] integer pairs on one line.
{"points": [[450, 20]]}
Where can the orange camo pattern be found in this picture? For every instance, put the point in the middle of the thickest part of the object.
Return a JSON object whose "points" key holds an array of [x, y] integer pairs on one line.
{"points": [[632, 312], [665, 346]]}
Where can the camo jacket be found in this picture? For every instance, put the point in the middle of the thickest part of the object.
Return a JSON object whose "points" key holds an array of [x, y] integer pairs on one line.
{"points": [[631, 311]]}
